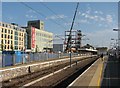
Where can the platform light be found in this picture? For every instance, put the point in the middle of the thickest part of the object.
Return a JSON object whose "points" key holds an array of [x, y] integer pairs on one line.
{"points": [[116, 29]]}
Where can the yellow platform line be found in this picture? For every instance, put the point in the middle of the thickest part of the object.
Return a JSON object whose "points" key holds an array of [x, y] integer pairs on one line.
{"points": [[99, 80]]}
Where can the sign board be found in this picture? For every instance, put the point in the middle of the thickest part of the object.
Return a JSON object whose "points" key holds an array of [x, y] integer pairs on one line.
{"points": [[33, 37]]}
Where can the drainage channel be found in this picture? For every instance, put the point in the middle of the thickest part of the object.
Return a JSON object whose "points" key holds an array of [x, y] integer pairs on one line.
{"points": [[70, 79]]}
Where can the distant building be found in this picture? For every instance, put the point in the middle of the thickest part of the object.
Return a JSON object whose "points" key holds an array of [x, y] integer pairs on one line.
{"points": [[58, 47], [88, 46], [12, 37], [37, 24], [87, 49], [102, 50], [39, 40]]}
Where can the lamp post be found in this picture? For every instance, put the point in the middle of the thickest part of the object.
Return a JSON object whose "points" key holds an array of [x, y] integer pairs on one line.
{"points": [[58, 36], [116, 41], [48, 43], [118, 30]]}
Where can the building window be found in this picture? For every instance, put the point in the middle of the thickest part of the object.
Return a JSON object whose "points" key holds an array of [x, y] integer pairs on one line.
{"points": [[5, 46], [16, 42], [2, 30], [8, 36], [5, 36], [8, 41], [16, 33], [16, 47], [2, 35], [41, 23], [13, 27], [3, 25], [6, 25], [8, 31], [8, 47], [2, 41], [11, 32], [5, 30], [11, 36], [16, 38], [20, 39]]}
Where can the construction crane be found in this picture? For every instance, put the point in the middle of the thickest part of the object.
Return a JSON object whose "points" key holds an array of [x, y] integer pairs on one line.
{"points": [[69, 36]]}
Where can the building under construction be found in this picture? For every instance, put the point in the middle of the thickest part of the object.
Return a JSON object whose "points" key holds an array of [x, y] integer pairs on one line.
{"points": [[75, 42]]}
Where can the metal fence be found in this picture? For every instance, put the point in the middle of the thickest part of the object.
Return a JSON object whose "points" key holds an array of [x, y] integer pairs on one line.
{"points": [[13, 59]]}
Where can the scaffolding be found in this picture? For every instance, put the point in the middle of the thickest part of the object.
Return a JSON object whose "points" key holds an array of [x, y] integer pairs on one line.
{"points": [[76, 36]]}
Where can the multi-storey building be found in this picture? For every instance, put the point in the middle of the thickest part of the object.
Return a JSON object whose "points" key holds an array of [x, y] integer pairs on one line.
{"points": [[37, 24], [12, 37], [76, 36], [39, 40]]}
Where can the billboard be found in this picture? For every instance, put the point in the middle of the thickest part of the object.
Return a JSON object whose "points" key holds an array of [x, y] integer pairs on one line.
{"points": [[33, 37]]}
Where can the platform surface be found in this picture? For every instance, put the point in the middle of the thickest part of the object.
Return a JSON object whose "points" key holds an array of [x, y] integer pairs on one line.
{"points": [[111, 77], [91, 76]]}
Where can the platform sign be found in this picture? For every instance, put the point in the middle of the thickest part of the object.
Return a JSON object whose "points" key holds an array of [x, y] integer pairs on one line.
{"points": [[33, 37]]}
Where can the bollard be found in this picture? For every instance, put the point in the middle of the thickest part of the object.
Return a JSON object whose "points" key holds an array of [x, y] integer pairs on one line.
{"points": [[29, 71]]}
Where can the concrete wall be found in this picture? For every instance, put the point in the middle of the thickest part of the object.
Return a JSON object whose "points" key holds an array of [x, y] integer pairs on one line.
{"points": [[12, 73]]}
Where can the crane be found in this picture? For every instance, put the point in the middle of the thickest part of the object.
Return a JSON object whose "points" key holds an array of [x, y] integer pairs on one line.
{"points": [[69, 38]]}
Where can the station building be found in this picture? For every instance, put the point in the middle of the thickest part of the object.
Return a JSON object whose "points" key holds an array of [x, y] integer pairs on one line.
{"points": [[39, 40], [12, 37]]}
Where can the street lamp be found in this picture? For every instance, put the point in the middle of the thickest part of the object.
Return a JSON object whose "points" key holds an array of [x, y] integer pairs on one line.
{"points": [[117, 29], [116, 41], [118, 35]]}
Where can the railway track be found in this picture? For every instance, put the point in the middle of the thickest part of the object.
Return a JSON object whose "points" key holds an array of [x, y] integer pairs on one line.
{"points": [[22, 80], [67, 81]]}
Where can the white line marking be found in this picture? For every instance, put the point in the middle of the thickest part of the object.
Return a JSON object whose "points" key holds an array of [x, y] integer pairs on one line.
{"points": [[82, 74], [35, 81]]}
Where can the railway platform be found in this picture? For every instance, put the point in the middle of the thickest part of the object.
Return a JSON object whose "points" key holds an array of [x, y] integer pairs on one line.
{"points": [[91, 76], [111, 77]]}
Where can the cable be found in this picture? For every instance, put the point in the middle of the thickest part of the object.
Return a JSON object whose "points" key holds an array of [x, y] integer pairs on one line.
{"points": [[41, 14], [52, 11]]}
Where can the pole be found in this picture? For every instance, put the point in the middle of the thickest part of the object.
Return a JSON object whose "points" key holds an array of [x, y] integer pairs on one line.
{"points": [[70, 37], [70, 54]]}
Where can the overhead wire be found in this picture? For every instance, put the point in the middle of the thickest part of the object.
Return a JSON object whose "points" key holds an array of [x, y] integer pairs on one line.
{"points": [[52, 11], [44, 16]]}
